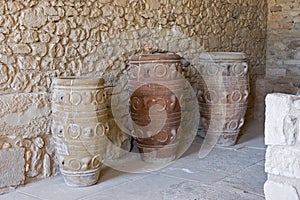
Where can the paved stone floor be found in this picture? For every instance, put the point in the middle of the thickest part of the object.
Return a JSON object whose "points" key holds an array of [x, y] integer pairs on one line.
{"points": [[226, 173]]}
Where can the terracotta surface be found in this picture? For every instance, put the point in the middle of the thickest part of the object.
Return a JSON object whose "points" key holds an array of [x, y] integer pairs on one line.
{"points": [[79, 126], [156, 87], [223, 93]]}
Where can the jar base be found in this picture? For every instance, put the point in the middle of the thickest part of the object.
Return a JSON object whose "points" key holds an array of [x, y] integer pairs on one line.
{"points": [[163, 154], [81, 179]]}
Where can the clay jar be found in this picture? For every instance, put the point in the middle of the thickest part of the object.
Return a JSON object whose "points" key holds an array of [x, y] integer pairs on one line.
{"points": [[156, 87], [223, 93], [79, 127]]}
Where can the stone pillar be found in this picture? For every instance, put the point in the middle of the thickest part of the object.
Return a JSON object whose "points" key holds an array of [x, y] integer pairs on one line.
{"points": [[283, 34], [282, 135]]}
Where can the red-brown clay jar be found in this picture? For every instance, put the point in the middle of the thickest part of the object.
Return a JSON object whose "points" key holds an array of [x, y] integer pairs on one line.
{"points": [[156, 86]]}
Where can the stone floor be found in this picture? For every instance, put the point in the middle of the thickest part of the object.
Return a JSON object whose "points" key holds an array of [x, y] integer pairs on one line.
{"points": [[226, 173]]}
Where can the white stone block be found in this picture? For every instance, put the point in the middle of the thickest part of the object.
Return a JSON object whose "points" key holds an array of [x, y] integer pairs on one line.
{"points": [[292, 62], [282, 179], [12, 167], [275, 72], [282, 119], [280, 191], [283, 161]]}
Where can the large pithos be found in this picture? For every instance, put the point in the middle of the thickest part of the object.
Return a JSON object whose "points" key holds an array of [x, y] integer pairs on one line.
{"points": [[156, 87], [79, 126], [222, 94]]}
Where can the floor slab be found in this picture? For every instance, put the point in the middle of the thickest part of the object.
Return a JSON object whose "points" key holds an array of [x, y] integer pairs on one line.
{"points": [[18, 196], [218, 164], [249, 180], [226, 173], [54, 187], [169, 188]]}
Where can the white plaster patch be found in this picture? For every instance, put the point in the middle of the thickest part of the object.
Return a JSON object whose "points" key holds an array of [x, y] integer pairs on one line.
{"points": [[12, 167]]}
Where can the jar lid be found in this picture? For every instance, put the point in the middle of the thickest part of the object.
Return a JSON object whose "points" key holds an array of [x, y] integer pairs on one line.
{"points": [[78, 81], [155, 57], [223, 56]]}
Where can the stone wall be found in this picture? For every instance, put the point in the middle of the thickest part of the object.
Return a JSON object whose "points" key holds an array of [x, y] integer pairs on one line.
{"points": [[283, 43], [44, 39], [282, 135], [283, 52]]}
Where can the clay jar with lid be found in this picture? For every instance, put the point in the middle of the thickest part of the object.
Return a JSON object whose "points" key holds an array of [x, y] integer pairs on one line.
{"points": [[223, 94], [79, 127], [156, 88]]}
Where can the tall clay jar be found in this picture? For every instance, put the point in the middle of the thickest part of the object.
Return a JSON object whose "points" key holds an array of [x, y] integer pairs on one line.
{"points": [[223, 93], [156, 87], [79, 127]]}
